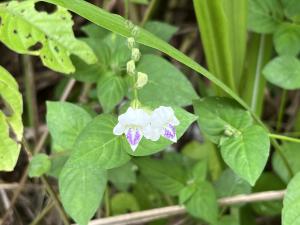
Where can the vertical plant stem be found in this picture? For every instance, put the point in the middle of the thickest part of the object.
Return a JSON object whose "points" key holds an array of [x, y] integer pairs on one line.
{"points": [[107, 203], [257, 74], [56, 200], [281, 110], [149, 12], [126, 7], [30, 94]]}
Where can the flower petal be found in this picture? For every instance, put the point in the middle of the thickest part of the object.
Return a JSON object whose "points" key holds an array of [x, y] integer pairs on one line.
{"points": [[152, 133], [169, 133], [133, 137], [119, 129]]}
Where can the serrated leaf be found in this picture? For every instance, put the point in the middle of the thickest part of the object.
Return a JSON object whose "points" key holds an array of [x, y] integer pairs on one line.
{"points": [[124, 202], [97, 145], [292, 154], [283, 71], [110, 91], [81, 189], [23, 29], [247, 153], [10, 121], [147, 147], [174, 88], [166, 176], [215, 113], [39, 165], [264, 16], [291, 202], [200, 201], [65, 122], [287, 39], [229, 184]]}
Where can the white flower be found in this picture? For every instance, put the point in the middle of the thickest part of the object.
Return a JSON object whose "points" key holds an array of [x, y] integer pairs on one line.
{"points": [[162, 123], [132, 123]]}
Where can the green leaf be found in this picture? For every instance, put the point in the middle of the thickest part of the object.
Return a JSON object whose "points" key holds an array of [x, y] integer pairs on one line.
{"points": [[268, 182], [123, 176], [291, 202], [50, 36], [292, 9], [216, 39], [236, 12], [147, 147], [65, 122], [200, 201], [292, 154], [283, 71], [9, 149], [81, 189], [204, 151], [247, 153], [200, 171], [229, 220], [112, 53], [110, 91], [229, 184], [117, 24], [57, 164], [287, 39], [10, 121], [97, 145], [12, 98], [162, 30], [147, 196], [166, 176], [124, 202], [215, 114], [264, 16], [166, 78], [39, 165]]}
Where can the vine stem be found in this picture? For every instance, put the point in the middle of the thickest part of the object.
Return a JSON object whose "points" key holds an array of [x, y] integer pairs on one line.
{"points": [[165, 212], [284, 138]]}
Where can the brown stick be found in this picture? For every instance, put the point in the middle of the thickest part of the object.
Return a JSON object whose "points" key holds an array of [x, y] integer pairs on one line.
{"points": [[165, 212]]}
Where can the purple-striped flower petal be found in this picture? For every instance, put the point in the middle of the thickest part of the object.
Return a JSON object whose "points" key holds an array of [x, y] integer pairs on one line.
{"points": [[133, 137], [169, 132]]}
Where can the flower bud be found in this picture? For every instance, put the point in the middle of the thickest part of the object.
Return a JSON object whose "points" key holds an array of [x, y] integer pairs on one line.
{"points": [[131, 67], [135, 31], [142, 80], [130, 42], [135, 54]]}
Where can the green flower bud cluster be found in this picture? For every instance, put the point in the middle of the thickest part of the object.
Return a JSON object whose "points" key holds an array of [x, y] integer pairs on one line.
{"points": [[140, 78]]}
